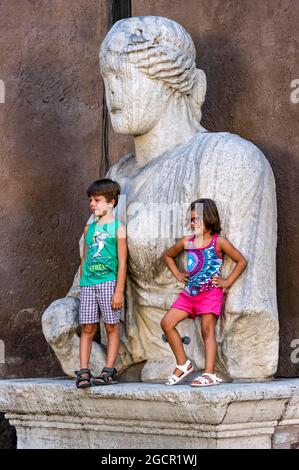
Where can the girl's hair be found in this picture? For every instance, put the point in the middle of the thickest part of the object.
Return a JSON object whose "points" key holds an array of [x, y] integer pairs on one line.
{"points": [[210, 214], [105, 187]]}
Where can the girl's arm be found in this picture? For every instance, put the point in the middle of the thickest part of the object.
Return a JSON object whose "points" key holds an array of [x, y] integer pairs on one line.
{"points": [[226, 247], [84, 250], [122, 253], [169, 256]]}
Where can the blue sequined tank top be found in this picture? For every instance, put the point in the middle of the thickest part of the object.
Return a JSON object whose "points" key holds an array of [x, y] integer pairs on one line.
{"points": [[202, 264]]}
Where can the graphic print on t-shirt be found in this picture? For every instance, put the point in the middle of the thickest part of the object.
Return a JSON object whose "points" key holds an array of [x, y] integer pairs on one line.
{"points": [[96, 262]]}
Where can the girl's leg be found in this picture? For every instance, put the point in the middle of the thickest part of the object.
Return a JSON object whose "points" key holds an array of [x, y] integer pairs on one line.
{"points": [[87, 334], [208, 323], [168, 324]]}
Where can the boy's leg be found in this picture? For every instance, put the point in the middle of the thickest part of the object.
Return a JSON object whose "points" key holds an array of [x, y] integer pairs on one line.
{"points": [[168, 324], [111, 318], [87, 334], [89, 318], [113, 340], [208, 323], [108, 375]]}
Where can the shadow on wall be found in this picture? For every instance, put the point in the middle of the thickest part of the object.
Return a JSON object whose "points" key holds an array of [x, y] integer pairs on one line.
{"points": [[39, 216], [225, 85], [285, 170], [8, 436]]}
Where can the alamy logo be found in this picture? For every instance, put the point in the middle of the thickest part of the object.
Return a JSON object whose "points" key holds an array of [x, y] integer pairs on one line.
{"points": [[2, 91], [295, 354], [295, 94], [2, 352]]}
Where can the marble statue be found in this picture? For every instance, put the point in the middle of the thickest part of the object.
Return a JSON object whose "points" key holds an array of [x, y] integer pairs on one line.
{"points": [[155, 92]]}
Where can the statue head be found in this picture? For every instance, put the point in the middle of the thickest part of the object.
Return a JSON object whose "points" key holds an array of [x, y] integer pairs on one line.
{"points": [[148, 66]]}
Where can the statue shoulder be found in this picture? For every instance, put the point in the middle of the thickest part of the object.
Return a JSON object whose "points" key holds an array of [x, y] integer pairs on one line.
{"points": [[242, 159], [236, 152], [115, 169], [243, 148]]}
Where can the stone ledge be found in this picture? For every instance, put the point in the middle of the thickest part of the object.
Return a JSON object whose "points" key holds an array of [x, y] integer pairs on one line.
{"points": [[52, 413]]}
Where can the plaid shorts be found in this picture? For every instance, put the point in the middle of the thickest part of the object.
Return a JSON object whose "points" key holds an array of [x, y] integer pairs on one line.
{"points": [[95, 301]]}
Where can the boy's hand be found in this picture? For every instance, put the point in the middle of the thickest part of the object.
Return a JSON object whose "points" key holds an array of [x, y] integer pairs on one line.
{"points": [[220, 282], [117, 300], [182, 277]]}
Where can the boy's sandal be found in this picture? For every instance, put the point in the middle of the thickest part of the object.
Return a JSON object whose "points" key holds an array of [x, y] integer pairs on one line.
{"points": [[203, 381], [175, 379], [108, 376], [83, 379]]}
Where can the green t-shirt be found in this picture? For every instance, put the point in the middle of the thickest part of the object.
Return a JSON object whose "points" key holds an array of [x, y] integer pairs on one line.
{"points": [[101, 262]]}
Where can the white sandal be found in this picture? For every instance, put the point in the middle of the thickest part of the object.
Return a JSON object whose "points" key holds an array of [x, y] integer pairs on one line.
{"points": [[202, 381], [175, 379]]}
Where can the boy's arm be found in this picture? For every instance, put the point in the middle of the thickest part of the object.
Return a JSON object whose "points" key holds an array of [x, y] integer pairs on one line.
{"points": [[226, 247], [84, 250], [169, 256], [122, 254]]}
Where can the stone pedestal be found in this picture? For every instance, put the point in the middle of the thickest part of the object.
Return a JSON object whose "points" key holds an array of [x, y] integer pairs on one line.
{"points": [[52, 413]]}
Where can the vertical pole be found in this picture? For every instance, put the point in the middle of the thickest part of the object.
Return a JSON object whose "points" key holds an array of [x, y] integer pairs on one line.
{"points": [[118, 9]]}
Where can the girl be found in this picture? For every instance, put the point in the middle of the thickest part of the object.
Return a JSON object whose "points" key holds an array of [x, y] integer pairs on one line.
{"points": [[203, 291]]}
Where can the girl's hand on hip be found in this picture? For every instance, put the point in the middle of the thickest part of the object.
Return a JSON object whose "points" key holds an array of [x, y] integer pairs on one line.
{"points": [[182, 277], [220, 282]]}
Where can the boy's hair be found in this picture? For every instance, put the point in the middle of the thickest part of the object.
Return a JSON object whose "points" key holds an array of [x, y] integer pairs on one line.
{"points": [[105, 187], [210, 214]]}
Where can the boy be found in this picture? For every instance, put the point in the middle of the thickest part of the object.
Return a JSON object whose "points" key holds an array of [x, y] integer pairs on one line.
{"points": [[103, 276]]}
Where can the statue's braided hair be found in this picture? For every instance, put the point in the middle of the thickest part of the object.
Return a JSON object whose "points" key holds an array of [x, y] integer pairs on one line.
{"points": [[163, 50]]}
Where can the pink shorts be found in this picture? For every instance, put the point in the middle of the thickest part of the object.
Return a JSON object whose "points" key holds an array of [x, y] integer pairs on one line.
{"points": [[207, 302]]}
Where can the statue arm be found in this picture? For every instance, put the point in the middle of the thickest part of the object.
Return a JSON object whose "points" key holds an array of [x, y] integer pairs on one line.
{"points": [[249, 221], [246, 199]]}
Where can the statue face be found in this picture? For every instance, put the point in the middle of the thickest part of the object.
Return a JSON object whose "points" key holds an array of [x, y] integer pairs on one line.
{"points": [[134, 101]]}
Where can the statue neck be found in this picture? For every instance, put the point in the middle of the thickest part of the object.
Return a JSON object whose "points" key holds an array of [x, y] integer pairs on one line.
{"points": [[169, 132]]}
